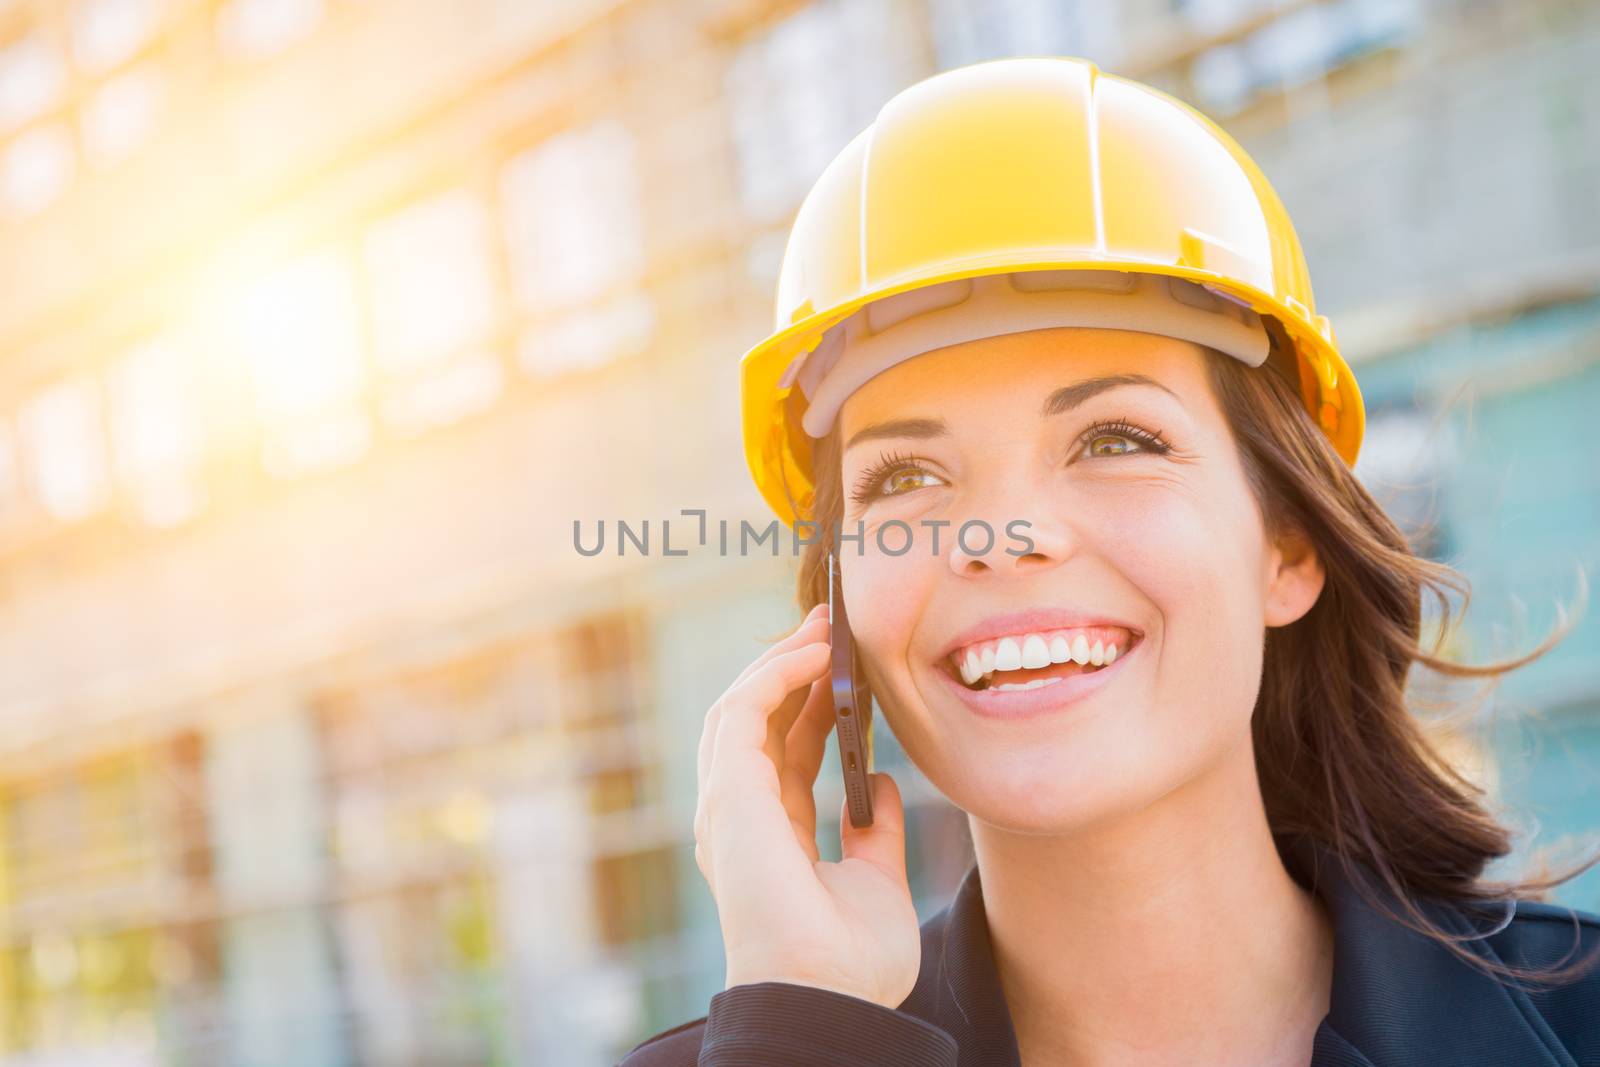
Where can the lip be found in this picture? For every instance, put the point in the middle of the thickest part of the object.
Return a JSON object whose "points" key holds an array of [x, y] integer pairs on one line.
{"points": [[1036, 620], [1030, 703]]}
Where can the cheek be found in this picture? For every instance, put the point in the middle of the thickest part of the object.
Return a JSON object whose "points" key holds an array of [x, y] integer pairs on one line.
{"points": [[1195, 561], [886, 597]]}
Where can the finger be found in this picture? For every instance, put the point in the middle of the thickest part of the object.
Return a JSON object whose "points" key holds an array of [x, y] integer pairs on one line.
{"points": [[708, 733], [811, 628], [748, 706], [883, 844], [741, 765], [807, 742], [780, 724], [706, 750]]}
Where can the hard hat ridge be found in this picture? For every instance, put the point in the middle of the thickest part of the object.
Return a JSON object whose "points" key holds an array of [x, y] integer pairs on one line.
{"points": [[896, 328]]}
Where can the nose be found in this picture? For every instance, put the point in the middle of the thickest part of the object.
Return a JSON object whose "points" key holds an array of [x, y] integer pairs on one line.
{"points": [[1012, 546]]}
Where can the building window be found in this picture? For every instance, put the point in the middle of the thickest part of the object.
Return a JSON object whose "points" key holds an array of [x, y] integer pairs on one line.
{"points": [[589, 337], [37, 169], [803, 88], [970, 33], [1212, 16], [121, 114], [33, 77], [1291, 50], [635, 896], [156, 438], [575, 242], [572, 212], [107, 33], [255, 29], [433, 312], [64, 442], [1223, 79], [298, 331]]}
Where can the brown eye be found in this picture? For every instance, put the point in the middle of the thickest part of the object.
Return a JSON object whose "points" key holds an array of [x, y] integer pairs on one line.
{"points": [[905, 480], [893, 475], [1110, 444], [1119, 437]]}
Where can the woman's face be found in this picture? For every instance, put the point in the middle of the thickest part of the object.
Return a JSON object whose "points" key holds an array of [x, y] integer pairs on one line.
{"points": [[1105, 468]]}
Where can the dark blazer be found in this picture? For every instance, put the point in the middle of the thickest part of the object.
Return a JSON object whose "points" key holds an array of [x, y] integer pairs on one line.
{"points": [[1398, 999]]}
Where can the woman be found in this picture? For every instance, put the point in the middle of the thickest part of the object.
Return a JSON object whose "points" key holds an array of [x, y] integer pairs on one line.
{"points": [[1048, 380]]}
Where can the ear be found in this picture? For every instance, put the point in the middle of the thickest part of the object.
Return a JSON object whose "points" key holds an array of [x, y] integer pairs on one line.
{"points": [[1294, 579]]}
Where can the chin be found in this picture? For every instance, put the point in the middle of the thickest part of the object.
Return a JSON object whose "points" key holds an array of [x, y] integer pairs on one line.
{"points": [[1047, 792], [1061, 773]]}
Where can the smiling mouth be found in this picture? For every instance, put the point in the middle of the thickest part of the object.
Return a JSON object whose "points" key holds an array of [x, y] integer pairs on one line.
{"points": [[1036, 660]]}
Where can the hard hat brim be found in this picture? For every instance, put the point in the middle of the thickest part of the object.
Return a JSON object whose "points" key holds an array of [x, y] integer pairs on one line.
{"points": [[778, 451]]}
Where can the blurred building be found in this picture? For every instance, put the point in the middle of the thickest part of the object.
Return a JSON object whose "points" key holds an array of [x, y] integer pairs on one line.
{"points": [[325, 320]]}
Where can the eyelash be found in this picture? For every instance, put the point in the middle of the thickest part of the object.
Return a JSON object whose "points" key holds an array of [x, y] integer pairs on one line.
{"points": [[869, 485]]}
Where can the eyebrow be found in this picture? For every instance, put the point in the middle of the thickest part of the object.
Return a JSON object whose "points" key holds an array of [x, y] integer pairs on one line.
{"points": [[922, 428], [1062, 400], [1070, 396]]}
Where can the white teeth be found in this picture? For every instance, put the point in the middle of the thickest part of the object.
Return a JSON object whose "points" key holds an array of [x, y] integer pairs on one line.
{"points": [[1030, 651], [1037, 683], [1080, 650], [1035, 653]]}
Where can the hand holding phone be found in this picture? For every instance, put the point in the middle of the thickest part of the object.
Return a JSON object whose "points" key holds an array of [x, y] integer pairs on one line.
{"points": [[787, 915]]}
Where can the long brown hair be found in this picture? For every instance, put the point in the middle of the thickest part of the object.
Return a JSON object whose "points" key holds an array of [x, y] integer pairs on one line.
{"points": [[1340, 754]]}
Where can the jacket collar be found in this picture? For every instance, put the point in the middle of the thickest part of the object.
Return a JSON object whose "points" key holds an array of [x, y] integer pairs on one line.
{"points": [[1398, 998]]}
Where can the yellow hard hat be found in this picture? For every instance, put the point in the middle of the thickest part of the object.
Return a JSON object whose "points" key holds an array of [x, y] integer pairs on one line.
{"points": [[1029, 164]]}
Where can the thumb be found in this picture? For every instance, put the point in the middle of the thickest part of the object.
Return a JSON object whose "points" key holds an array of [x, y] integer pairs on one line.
{"points": [[883, 844]]}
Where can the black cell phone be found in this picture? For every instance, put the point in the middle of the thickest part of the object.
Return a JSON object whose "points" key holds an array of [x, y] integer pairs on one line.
{"points": [[852, 705]]}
